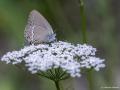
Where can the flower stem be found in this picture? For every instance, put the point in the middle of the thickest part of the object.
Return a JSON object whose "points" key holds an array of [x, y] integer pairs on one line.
{"points": [[83, 22], [90, 80], [84, 39], [57, 85]]}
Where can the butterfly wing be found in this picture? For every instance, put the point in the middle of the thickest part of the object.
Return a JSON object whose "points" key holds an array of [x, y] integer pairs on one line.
{"points": [[38, 29], [40, 35]]}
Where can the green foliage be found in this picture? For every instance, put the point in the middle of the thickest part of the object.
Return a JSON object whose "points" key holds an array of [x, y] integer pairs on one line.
{"points": [[64, 16]]}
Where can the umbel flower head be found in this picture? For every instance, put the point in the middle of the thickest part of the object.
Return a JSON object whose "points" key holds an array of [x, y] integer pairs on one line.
{"points": [[65, 56]]}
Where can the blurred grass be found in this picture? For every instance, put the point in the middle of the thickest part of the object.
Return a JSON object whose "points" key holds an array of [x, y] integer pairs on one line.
{"points": [[63, 15]]}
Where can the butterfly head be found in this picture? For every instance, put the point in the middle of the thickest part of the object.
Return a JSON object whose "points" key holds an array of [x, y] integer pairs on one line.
{"points": [[51, 37]]}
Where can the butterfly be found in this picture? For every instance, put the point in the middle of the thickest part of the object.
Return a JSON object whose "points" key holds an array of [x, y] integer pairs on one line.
{"points": [[38, 30]]}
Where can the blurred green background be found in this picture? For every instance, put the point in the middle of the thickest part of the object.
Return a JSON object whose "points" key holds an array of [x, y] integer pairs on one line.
{"points": [[103, 19]]}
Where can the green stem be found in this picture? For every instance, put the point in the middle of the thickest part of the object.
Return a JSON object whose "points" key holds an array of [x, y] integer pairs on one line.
{"points": [[57, 85], [90, 80], [84, 39], [83, 21]]}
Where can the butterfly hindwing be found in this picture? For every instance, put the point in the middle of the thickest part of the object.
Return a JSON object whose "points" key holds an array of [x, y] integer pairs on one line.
{"points": [[38, 29]]}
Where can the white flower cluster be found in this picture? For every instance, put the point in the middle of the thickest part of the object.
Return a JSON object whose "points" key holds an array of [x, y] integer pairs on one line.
{"points": [[70, 58]]}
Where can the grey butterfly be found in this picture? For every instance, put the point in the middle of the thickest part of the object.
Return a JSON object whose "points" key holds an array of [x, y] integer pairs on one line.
{"points": [[38, 30]]}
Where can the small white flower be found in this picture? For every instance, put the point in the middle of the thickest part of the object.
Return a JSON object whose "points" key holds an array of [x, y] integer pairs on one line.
{"points": [[94, 62], [70, 58]]}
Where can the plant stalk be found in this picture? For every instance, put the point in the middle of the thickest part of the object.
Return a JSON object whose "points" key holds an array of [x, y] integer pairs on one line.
{"points": [[57, 85], [84, 40], [83, 21], [90, 80]]}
